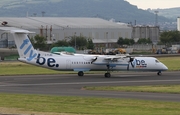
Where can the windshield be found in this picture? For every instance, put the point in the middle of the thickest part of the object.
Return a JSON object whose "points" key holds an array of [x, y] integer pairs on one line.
{"points": [[157, 61]]}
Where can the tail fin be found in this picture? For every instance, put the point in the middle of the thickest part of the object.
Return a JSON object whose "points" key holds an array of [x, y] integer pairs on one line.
{"points": [[24, 46], [23, 43]]}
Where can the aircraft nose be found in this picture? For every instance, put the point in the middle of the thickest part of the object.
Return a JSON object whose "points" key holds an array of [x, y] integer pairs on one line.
{"points": [[165, 68]]}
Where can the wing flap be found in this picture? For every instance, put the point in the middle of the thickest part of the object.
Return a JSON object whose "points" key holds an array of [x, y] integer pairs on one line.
{"points": [[114, 57]]}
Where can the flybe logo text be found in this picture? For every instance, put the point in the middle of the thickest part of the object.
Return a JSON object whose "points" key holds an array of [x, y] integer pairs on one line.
{"points": [[139, 63], [51, 62], [26, 46]]}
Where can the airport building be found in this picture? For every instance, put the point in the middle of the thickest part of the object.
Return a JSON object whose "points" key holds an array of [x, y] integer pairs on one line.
{"points": [[178, 23], [102, 32], [151, 32]]}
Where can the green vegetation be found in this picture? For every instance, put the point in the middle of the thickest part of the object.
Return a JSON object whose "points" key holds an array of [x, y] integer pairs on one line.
{"points": [[59, 43], [144, 41], [87, 105], [80, 42], [12, 57], [173, 63], [90, 44], [125, 41], [154, 89], [39, 42], [170, 37], [18, 68]]}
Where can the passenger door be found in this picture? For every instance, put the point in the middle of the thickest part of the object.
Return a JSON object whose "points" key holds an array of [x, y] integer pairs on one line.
{"points": [[68, 64]]}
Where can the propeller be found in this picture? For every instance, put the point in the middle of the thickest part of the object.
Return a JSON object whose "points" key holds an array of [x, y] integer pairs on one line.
{"points": [[94, 59], [130, 62]]}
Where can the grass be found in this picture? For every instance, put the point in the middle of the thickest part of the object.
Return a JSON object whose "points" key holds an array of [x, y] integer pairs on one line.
{"points": [[87, 105], [173, 63], [18, 68], [153, 89], [12, 57]]}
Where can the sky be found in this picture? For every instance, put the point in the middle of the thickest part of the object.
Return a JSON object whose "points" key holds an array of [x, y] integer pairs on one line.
{"points": [[154, 4]]}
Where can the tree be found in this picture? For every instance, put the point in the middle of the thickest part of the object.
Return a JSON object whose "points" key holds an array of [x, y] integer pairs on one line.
{"points": [[128, 41], [90, 44], [144, 41], [125, 41], [78, 41], [39, 42], [60, 43], [120, 41], [169, 37]]}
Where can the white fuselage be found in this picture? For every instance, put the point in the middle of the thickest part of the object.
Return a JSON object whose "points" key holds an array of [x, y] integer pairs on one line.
{"points": [[85, 63]]}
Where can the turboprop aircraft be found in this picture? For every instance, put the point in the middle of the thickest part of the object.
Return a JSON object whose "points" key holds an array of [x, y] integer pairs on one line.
{"points": [[80, 63]]}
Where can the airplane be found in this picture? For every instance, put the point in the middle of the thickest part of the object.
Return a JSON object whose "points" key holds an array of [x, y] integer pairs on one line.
{"points": [[80, 63]]}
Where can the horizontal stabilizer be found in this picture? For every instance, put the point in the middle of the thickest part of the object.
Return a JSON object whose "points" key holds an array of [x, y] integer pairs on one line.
{"points": [[15, 30], [25, 48]]}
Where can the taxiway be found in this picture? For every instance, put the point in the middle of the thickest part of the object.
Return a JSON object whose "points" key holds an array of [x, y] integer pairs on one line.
{"points": [[71, 84]]}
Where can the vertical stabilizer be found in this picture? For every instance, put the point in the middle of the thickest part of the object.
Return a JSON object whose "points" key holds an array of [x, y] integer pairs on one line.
{"points": [[24, 46], [25, 49]]}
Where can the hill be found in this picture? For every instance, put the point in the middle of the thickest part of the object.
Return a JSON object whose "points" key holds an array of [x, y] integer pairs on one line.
{"points": [[119, 10], [171, 13]]}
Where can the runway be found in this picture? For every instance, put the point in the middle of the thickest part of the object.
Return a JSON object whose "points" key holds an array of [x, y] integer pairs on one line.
{"points": [[71, 84]]}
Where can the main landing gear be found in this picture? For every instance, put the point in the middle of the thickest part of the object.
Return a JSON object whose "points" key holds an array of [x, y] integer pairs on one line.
{"points": [[80, 73], [159, 73], [108, 74]]}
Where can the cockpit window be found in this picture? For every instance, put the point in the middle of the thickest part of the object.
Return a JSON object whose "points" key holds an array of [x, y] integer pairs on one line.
{"points": [[157, 61]]}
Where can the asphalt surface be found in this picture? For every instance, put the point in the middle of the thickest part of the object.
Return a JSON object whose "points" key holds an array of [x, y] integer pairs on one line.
{"points": [[72, 85]]}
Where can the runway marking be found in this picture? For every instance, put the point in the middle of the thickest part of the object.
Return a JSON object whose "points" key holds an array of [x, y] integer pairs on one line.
{"points": [[84, 83]]}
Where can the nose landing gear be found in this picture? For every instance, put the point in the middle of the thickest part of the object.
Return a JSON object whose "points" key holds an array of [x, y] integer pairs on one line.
{"points": [[159, 73]]}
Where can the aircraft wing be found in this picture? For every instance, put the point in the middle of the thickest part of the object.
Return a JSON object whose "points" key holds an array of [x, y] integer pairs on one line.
{"points": [[114, 57], [105, 60]]}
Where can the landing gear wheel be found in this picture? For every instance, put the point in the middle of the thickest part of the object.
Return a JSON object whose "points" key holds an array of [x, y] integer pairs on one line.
{"points": [[107, 75], [80, 73], [159, 73]]}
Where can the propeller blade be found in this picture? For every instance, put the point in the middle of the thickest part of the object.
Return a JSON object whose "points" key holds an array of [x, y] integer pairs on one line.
{"points": [[94, 59], [132, 65], [128, 67]]}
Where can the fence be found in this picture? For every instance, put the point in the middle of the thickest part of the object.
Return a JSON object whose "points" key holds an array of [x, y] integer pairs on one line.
{"points": [[7, 44], [146, 47]]}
